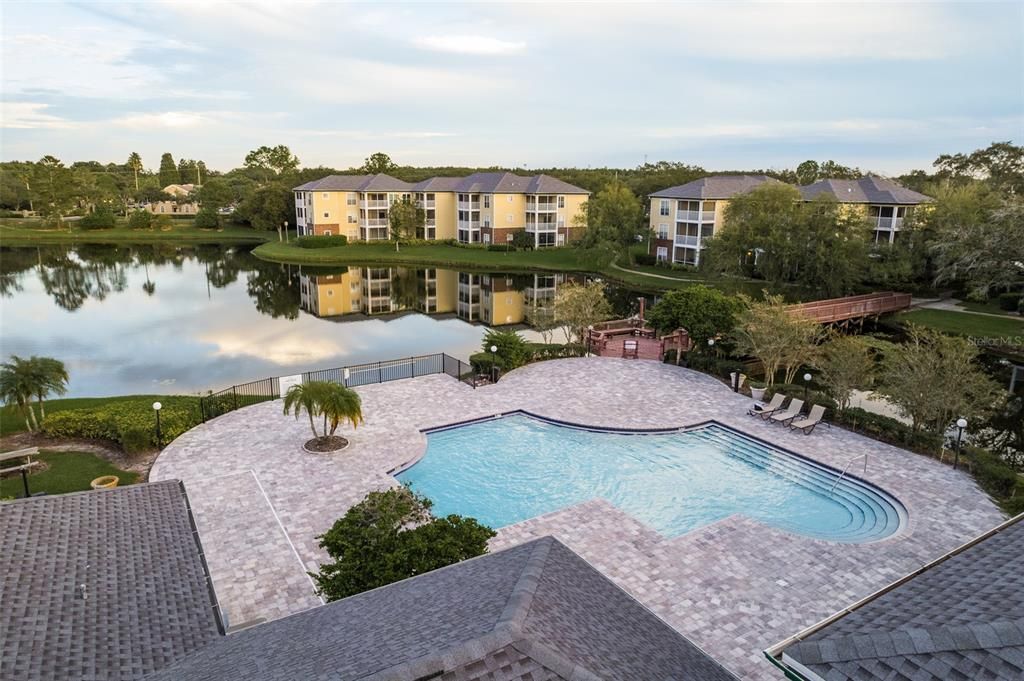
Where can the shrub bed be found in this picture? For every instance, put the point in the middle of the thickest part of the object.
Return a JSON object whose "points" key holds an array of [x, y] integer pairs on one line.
{"points": [[1009, 301], [129, 423], [322, 241]]}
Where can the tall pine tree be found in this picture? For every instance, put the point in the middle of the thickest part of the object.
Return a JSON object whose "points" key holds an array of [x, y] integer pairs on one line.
{"points": [[168, 171]]}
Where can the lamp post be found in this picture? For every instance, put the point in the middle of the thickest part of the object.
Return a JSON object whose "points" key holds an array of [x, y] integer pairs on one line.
{"points": [[807, 380], [286, 231], [156, 408], [961, 423], [494, 367]]}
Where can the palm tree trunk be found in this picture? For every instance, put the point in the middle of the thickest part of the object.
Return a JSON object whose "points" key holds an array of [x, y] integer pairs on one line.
{"points": [[32, 413], [311, 424], [136, 178], [42, 410]]}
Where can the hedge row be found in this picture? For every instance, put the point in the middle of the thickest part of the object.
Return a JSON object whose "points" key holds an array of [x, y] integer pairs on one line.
{"points": [[322, 241], [484, 362], [130, 423]]}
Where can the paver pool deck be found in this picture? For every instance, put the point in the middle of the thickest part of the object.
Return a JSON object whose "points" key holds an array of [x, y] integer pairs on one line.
{"points": [[734, 587]]}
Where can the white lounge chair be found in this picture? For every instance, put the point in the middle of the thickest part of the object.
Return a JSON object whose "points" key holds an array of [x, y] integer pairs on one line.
{"points": [[770, 408], [791, 412], [813, 419]]}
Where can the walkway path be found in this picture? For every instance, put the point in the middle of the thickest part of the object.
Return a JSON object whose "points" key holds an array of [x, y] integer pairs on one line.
{"points": [[734, 587], [952, 305], [655, 276]]}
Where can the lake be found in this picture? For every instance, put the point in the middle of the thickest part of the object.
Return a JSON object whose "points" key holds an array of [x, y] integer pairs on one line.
{"points": [[170, 319]]}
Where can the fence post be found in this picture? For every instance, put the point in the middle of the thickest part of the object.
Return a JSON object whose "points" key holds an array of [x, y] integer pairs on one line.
{"points": [[412, 361], [380, 376], [234, 392], [202, 410]]}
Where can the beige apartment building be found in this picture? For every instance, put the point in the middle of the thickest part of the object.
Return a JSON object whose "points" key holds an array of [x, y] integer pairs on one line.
{"points": [[177, 206], [486, 208], [683, 217]]}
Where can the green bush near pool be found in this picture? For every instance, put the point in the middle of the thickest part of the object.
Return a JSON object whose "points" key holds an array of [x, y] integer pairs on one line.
{"points": [[130, 423]]}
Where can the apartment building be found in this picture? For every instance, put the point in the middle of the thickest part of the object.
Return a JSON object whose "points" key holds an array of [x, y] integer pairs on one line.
{"points": [[884, 203], [487, 208], [684, 216], [177, 205]]}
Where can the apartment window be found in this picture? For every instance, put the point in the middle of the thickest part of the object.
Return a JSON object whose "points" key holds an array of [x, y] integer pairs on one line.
{"points": [[327, 215], [355, 306], [662, 253], [351, 200], [351, 220], [326, 195], [487, 200], [508, 218], [561, 223], [662, 231], [664, 207], [330, 293], [430, 197], [487, 223], [561, 202], [327, 232]]}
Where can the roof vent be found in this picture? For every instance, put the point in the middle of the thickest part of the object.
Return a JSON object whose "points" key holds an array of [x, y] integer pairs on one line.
{"points": [[82, 593]]}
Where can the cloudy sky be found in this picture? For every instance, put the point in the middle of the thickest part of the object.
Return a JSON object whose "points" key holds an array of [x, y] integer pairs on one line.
{"points": [[885, 86]]}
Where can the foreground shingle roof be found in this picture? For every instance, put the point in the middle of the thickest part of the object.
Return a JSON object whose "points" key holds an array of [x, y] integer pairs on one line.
{"points": [[437, 184], [715, 187], [356, 183], [147, 600], [510, 183], [962, 617], [870, 189], [534, 611]]}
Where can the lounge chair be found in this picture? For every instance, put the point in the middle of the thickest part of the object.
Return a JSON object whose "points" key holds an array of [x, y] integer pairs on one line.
{"points": [[770, 408], [791, 412], [813, 419]]}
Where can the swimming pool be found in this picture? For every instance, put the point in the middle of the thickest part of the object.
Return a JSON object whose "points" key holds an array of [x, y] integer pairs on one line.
{"points": [[505, 470]]}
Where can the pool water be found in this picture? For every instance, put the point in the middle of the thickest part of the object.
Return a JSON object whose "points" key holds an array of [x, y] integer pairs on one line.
{"points": [[505, 470]]}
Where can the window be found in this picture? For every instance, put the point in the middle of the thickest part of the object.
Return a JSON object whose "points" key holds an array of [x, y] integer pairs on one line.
{"points": [[561, 202], [355, 306], [487, 200], [351, 219], [487, 223], [561, 223], [351, 200], [662, 253], [327, 215], [663, 231], [430, 197], [330, 293], [487, 238], [327, 232], [664, 207], [326, 195], [508, 218]]}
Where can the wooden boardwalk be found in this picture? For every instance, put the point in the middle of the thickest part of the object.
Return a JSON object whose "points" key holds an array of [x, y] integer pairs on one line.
{"points": [[646, 348], [843, 310]]}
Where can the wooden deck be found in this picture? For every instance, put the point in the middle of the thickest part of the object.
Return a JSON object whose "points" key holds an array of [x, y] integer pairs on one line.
{"points": [[842, 310], [646, 348]]}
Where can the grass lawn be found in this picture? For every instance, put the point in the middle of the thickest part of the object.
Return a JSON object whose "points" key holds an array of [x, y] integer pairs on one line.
{"points": [[989, 306], [966, 324], [31, 233], [439, 255], [68, 472], [11, 422]]}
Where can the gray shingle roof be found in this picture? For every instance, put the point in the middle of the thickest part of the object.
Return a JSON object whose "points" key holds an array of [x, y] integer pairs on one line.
{"points": [[477, 183], [960, 618], [534, 611], [714, 187], [147, 602], [356, 183], [870, 189]]}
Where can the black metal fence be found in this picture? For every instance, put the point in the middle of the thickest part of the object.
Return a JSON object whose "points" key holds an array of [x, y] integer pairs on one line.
{"points": [[238, 396]]}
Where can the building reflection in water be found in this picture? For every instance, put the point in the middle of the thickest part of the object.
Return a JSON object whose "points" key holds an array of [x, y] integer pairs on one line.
{"points": [[390, 292]]}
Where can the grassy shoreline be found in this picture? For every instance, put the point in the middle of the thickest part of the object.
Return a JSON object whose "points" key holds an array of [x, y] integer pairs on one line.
{"points": [[568, 260], [181, 231]]}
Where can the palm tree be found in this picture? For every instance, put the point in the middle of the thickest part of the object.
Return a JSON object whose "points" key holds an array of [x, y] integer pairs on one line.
{"points": [[49, 376], [334, 402], [149, 287], [135, 163], [17, 388]]}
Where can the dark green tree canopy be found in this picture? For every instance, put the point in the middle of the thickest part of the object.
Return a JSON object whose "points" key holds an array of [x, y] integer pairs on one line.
{"points": [[272, 161], [613, 216], [378, 163], [390, 536], [169, 173], [704, 312]]}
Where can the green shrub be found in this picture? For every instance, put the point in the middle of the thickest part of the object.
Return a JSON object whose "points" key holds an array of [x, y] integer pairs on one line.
{"points": [[322, 241], [512, 350], [504, 248], [130, 423], [140, 219], [522, 240], [1010, 301], [10, 214], [101, 218], [543, 351], [207, 219], [992, 473], [645, 259]]}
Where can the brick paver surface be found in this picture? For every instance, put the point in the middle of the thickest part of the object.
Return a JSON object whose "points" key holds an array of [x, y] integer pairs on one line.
{"points": [[734, 587]]}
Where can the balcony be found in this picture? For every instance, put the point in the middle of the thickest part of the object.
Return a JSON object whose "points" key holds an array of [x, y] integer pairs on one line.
{"points": [[430, 223], [691, 241], [541, 207], [376, 203], [469, 205], [695, 216], [469, 225], [374, 222], [427, 204], [541, 226]]}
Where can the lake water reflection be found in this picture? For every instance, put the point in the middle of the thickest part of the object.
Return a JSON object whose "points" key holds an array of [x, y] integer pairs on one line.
{"points": [[167, 319]]}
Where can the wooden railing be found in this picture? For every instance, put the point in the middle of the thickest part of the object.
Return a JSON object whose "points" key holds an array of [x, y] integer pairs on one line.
{"points": [[853, 307]]}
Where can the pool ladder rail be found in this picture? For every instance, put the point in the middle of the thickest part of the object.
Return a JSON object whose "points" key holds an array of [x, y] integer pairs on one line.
{"points": [[847, 468]]}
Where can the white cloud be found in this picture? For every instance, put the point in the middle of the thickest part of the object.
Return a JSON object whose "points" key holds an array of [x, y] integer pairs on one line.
{"points": [[29, 115], [469, 44], [168, 119]]}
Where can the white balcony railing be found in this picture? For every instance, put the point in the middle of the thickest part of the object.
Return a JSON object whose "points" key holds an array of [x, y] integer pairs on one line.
{"points": [[375, 222], [469, 205], [427, 204], [375, 203], [541, 207], [707, 216], [541, 226], [468, 225], [687, 241], [695, 216]]}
